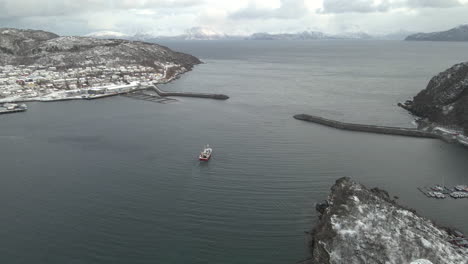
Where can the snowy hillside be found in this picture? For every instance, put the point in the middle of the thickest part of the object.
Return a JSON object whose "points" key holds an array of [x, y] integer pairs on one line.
{"points": [[359, 225], [31, 47]]}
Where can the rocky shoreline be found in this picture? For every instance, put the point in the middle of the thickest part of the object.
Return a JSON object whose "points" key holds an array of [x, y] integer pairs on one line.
{"points": [[445, 99], [443, 105], [361, 225]]}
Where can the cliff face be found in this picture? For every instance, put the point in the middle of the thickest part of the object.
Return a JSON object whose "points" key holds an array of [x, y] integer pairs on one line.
{"points": [[445, 99], [459, 33], [38, 47], [358, 225]]}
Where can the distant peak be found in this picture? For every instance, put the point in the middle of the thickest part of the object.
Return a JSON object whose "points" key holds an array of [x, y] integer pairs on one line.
{"points": [[203, 31], [106, 33]]}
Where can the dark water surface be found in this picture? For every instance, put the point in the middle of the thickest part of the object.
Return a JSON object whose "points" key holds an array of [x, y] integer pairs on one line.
{"points": [[117, 180]]}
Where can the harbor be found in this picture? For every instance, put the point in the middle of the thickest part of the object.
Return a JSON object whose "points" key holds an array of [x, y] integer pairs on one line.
{"points": [[442, 192], [136, 90], [12, 108]]}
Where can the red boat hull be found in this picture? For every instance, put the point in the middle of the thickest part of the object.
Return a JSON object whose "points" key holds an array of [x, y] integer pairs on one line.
{"points": [[204, 159]]}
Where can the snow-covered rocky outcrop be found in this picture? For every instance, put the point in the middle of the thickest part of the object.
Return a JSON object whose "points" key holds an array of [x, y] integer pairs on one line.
{"points": [[30, 47], [360, 225], [445, 99]]}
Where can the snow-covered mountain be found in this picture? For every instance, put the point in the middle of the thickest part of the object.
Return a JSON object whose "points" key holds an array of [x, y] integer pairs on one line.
{"points": [[459, 33], [108, 35], [398, 35], [204, 33], [306, 35], [314, 35], [195, 33], [200, 33], [351, 35]]}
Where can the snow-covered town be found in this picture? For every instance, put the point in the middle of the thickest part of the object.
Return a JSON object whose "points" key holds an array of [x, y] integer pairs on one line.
{"points": [[42, 83]]}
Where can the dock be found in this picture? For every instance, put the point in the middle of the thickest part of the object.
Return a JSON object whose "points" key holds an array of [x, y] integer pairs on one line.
{"points": [[9, 108], [399, 131], [12, 111], [188, 94], [149, 95], [443, 193]]}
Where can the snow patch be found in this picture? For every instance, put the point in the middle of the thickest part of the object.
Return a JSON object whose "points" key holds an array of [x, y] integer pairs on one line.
{"points": [[421, 261], [102, 34], [425, 243]]}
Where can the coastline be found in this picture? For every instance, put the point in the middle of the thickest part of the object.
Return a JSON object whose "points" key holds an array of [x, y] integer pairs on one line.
{"points": [[132, 89], [103, 91]]}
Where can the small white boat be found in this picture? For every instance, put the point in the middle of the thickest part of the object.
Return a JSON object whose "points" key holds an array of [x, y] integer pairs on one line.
{"points": [[205, 155]]}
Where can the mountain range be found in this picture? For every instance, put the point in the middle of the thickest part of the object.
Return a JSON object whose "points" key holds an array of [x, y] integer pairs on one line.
{"points": [[201, 33], [459, 33]]}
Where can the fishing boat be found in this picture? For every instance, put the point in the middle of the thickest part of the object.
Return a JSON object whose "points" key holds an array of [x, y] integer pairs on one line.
{"points": [[205, 155]]}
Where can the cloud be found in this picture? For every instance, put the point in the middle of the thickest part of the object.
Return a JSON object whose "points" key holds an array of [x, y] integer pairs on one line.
{"points": [[371, 6], [433, 3], [357, 6], [28, 8], [173, 17], [289, 9]]}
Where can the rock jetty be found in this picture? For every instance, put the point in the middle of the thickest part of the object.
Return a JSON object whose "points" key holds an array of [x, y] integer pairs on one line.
{"points": [[399, 131], [358, 225], [189, 94]]}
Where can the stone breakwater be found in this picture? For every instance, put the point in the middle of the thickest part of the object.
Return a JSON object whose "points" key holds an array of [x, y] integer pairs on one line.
{"points": [[409, 132], [186, 94]]}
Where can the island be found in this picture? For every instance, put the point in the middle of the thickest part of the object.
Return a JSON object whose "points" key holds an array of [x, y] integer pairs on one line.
{"points": [[41, 66], [361, 225]]}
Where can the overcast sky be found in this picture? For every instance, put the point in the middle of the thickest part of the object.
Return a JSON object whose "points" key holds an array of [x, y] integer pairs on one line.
{"points": [[171, 17]]}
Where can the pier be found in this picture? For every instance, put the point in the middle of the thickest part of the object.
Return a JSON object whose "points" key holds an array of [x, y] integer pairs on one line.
{"points": [[149, 95], [9, 108], [440, 192], [153, 94], [187, 94], [12, 111], [399, 131]]}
